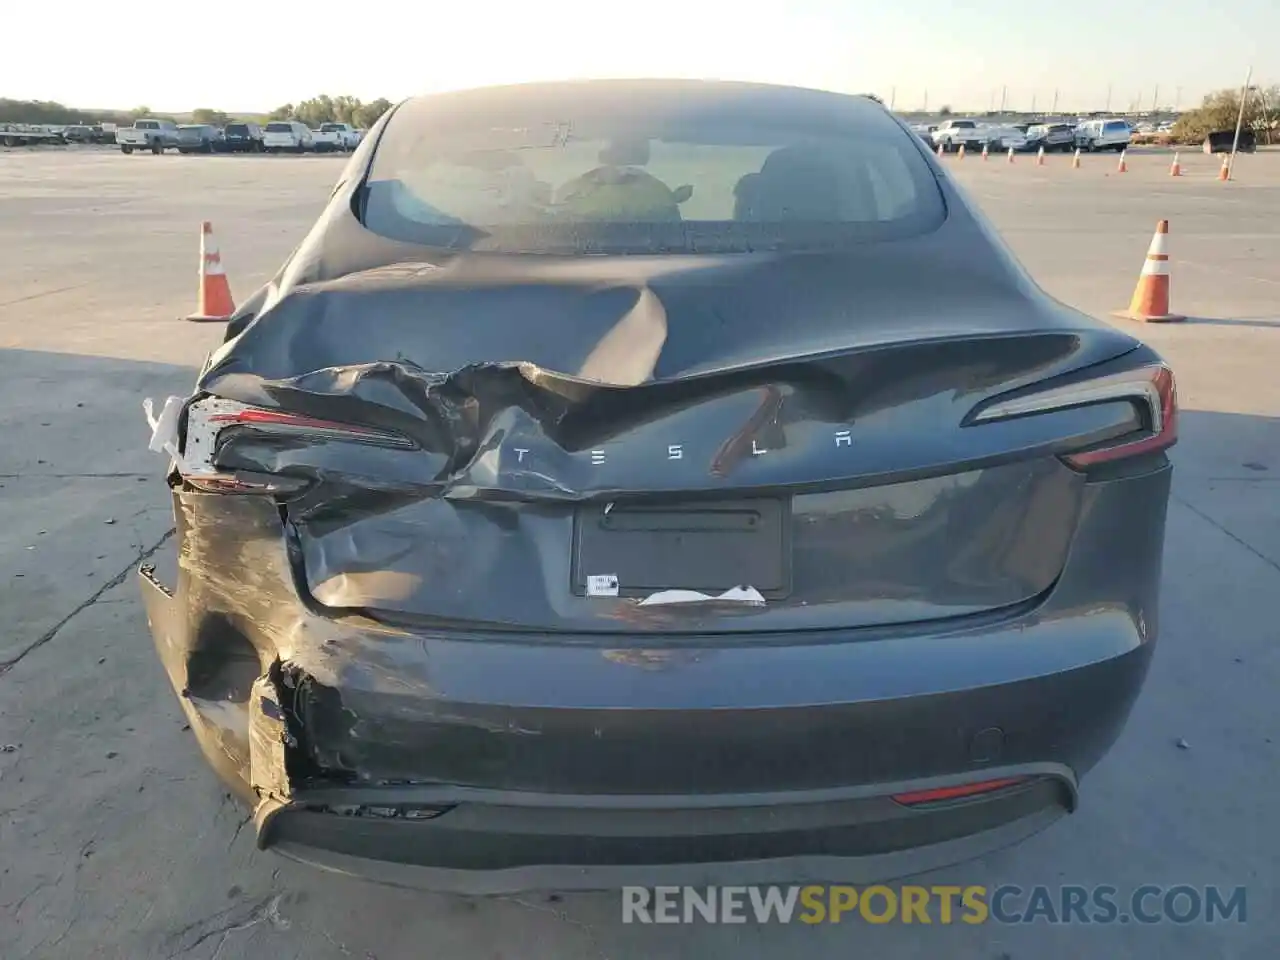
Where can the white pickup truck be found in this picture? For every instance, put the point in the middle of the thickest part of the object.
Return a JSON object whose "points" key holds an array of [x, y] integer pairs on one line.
{"points": [[952, 134], [336, 136], [151, 134]]}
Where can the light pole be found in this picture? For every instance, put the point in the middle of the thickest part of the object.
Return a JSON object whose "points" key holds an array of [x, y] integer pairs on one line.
{"points": [[1235, 144]]}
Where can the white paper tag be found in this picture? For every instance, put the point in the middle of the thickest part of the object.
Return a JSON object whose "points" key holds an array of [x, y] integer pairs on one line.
{"points": [[164, 427], [749, 595], [602, 585]]}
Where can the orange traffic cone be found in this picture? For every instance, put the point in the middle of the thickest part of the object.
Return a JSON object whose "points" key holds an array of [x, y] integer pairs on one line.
{"points": [[984, 151], [1175, 168], [1150, 303], [215, 301], [940, 146], [1011, 154], [1122, 166], [960, 152], [1225, 172], [1040, 158], [1075, 161]]}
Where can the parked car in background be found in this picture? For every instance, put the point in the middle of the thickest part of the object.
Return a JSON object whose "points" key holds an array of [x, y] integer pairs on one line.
{"points": [[924, 131], [291, 135], [78, 133], [862, 584], [1051, 136], [1004, 137], [1114, 134], [336, 136], [243, 138], [952, 133], [154, 134], [200, 138]]}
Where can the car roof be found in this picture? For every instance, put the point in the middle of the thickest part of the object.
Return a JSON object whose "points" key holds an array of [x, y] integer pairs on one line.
{"points": [[586, 97]]}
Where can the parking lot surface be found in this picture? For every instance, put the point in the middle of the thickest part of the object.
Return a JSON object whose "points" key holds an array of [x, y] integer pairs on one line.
{"points": [[116, 841]]}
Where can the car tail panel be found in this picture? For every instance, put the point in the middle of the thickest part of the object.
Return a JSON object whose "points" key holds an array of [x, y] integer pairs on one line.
{"points": [[884, 487]]}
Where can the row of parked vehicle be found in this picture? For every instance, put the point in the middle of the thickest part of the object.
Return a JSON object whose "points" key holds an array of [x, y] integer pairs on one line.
{"points": [[30, 134], [1098, 134], [157, 135]]}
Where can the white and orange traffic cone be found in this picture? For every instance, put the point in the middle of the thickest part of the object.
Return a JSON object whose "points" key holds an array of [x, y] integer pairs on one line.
{"points": [[1123, 165], [1040, 157], [1175, 168], [940, 146], [984, 151], [1011, 154], [215, 303], [1150, 303], [960, 152], [1075, 161], [1224, 173]]}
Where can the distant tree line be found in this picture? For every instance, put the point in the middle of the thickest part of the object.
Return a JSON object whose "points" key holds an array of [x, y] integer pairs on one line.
{"points": [[50, 111], [327, 109], [322, 109], [1220, 109]]}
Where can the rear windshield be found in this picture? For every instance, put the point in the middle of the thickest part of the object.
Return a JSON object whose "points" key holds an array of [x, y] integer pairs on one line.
{"points": [[147, 125], [329, 128], [237, 129], [1116, 126], [279, 128], [604, 168]]}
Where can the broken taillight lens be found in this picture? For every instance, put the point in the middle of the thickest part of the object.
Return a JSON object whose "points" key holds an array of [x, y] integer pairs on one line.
{"points": [[1152, 388], [279, 422], [210, 418]]}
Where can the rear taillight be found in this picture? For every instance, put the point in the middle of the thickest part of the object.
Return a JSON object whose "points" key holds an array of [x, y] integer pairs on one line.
{"points": [[1151, 388], [208, 420], [277, 422]]}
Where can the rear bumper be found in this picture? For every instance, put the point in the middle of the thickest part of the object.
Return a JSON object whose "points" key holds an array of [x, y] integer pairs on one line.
{"points": [[490, 843], [559, 764]]}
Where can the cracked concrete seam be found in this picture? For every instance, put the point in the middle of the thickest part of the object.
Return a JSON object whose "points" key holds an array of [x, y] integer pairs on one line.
{"points": [[76, 476], [1214, 523], [267, 908], [93, 598]]}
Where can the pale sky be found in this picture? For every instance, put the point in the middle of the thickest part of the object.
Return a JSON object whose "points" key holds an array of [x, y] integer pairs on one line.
{"points": [[257, 54]]}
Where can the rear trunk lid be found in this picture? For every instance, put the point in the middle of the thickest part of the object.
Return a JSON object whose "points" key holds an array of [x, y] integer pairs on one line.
{"points": [[581, 438]]}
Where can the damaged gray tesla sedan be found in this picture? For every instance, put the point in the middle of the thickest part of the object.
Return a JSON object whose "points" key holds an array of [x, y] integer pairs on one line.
{"points": [[649, 481]]}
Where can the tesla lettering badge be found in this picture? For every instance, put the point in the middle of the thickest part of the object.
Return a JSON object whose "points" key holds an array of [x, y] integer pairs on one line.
{"points": [[675, 451]]}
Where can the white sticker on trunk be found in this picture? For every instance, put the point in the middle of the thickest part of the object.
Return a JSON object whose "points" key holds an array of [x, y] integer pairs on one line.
{"points": [[748, 595], [602, 585]]}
